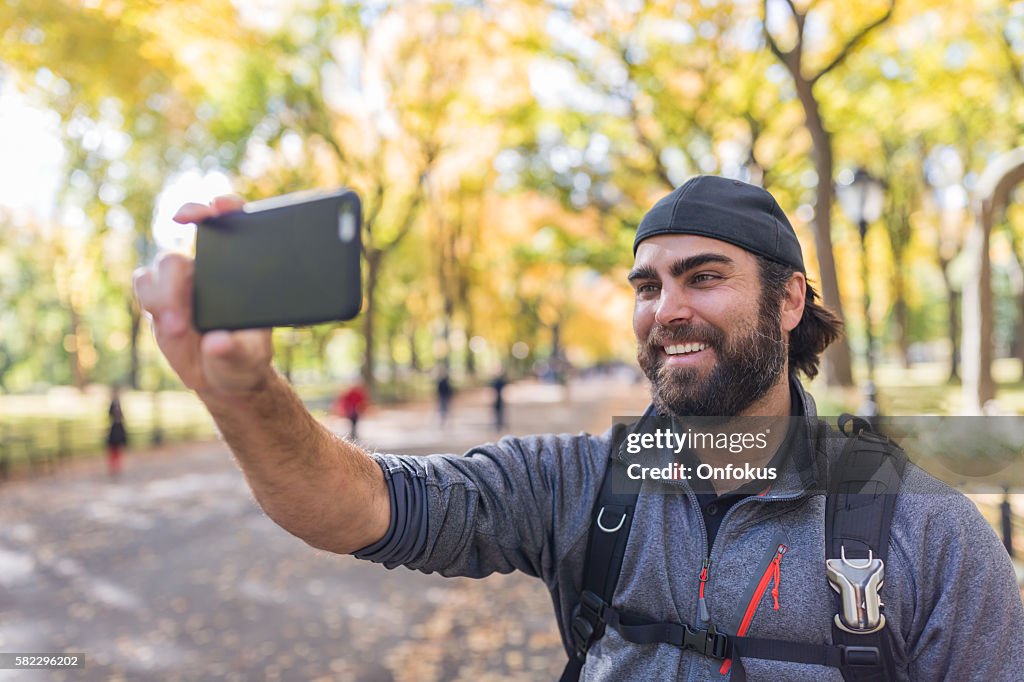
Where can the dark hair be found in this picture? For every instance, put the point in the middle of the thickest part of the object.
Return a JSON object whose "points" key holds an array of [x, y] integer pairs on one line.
{"points": [[818, 327]]}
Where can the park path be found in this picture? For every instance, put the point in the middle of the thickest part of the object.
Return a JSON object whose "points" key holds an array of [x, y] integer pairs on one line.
{"points": [[174, 573]]}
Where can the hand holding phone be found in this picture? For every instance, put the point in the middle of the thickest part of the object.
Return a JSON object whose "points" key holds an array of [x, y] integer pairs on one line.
{"points": [[221, 363]]}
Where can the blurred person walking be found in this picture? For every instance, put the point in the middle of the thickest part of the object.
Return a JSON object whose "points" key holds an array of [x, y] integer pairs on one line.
{"points": [[444, 396], [498, 384], [351, 404], [117, 436]]}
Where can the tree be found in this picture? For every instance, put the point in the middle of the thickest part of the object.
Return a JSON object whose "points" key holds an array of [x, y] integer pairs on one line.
{"points": [[123, 93], [837, 357]]}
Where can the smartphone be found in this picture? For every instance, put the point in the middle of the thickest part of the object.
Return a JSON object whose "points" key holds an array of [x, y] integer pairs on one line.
{"points": [[288, 261]]}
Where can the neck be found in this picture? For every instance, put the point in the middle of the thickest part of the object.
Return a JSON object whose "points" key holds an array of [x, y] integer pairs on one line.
{"points": [[777, 402], [773, 410]]}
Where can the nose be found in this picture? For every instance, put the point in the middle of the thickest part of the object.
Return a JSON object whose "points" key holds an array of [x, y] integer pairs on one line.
{"points": [[674, 307]]}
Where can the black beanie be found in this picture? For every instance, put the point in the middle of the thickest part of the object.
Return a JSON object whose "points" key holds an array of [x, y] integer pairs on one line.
{"points": [[729, 210]]}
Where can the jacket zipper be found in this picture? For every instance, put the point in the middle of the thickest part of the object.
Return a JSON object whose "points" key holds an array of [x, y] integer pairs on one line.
{"points": [[704, 615], [709, 550], [772, 575]]}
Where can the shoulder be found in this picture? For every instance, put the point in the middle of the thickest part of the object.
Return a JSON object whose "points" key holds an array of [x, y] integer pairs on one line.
{"points": [[927, 512], [940, 539], [956, 583], [930, 518], [933, 517]]}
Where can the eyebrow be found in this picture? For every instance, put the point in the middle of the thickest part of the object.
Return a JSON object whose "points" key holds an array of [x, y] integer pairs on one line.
{"points": [[680, 267]]}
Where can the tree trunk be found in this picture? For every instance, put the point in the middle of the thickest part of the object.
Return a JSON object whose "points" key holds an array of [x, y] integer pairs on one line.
{"points": [[954, 335], [373, 261], [471, 366], [133, 344], [952, 323], [898, 229], [837, 364], [392, 360], [901, 314], [414, 356], [1018, 333], [78, 377], [287, 360], [321, 339]]}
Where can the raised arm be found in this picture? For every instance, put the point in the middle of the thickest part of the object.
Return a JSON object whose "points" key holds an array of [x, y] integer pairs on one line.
{"points": [[313, 484]]}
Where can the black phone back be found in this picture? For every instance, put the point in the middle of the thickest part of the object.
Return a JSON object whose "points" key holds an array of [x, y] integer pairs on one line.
{"points": [[280, 262]]}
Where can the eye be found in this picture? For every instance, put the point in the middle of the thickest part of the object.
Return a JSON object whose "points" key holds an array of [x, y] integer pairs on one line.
{"points": [[705, 277], [647, 289]]}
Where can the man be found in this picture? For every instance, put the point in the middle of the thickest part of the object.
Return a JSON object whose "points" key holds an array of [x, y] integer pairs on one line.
{"points": [[724, 319]]}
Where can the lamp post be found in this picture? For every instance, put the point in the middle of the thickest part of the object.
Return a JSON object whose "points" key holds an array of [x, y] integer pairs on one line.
{"points": [[862, 198]]}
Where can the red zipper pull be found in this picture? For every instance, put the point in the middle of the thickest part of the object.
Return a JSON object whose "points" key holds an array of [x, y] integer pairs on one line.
{"points": [[705, 616], [777, 574]]}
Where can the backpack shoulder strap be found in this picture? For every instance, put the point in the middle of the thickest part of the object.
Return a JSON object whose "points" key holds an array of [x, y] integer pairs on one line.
{"points": [[612, 518], [862, 487]]}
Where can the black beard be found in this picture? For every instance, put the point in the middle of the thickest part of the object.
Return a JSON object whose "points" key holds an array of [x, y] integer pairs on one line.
{"points": [[746, 367]]}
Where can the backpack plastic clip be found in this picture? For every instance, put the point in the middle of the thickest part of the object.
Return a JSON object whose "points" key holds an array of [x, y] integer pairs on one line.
{"points": [[589, 617], [708, 642], [858, 585]]}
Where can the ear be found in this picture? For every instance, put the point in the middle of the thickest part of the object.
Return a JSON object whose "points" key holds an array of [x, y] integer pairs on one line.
{"points": [[793, 300]]}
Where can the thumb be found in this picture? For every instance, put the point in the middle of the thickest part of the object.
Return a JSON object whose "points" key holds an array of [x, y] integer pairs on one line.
{"points": [[236, 361]]}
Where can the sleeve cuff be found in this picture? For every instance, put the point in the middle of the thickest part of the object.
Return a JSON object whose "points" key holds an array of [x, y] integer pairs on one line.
{"points": [[407, 532]]}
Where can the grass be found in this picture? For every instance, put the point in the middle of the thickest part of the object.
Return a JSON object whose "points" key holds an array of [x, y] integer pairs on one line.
{"points": [[65, 422], [922, 389]]}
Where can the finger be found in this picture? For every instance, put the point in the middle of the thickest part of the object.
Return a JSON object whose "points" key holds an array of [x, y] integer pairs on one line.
{"points": [[193, 213], [236, 361], [227, 203], [142, 286], [238, 347], [171, 294], [164, 292]]}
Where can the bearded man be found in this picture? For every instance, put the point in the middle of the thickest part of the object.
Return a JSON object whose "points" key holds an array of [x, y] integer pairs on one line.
{"points": [[725, 322]]}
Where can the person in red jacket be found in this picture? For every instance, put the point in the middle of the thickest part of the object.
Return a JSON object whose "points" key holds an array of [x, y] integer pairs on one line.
{"points": [[350, 404]]}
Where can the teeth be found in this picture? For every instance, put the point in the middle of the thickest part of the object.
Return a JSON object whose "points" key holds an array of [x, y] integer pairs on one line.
{"points": [[681, 348]]}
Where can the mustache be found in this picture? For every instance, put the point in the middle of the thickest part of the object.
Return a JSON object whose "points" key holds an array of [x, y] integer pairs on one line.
{"points": [[690, 333]]}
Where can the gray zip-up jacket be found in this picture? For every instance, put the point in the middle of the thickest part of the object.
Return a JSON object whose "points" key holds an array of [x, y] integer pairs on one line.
{"points": [[951, 601]]}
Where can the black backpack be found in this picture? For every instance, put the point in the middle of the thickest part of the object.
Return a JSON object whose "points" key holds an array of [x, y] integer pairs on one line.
{"points": [[858, 513]]}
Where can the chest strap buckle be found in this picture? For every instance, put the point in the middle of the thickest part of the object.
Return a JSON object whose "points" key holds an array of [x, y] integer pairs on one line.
{"points": [[708, 642]]}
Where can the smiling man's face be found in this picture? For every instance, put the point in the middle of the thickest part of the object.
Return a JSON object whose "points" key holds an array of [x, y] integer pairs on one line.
{"points": [[705, 338]]}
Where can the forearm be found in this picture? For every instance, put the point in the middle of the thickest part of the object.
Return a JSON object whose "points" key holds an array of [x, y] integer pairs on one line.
{"points": [[313, 484]]}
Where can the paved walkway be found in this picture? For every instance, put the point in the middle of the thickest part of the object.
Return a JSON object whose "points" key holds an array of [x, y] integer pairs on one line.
{"points": [[173, 572]]}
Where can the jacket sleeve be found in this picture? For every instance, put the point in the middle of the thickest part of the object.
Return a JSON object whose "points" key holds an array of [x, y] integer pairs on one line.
{"points": [[968, 619], [518, 504]]}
